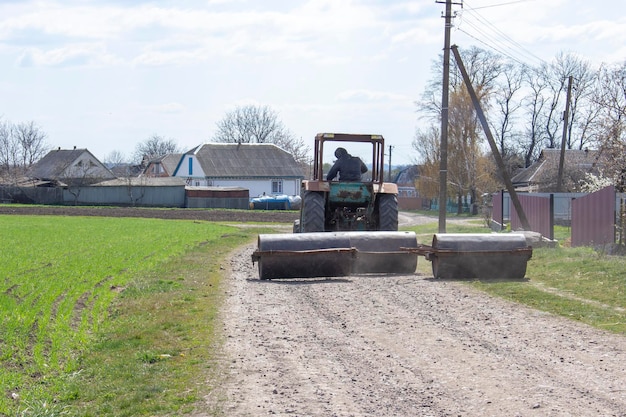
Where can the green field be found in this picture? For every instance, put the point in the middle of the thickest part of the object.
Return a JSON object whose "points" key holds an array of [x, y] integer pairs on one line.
{"points": [[115, 316], [75, 289]]}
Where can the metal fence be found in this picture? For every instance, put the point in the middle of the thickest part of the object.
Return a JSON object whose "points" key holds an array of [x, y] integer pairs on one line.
{"points": [[593, 218], [539, 212]]}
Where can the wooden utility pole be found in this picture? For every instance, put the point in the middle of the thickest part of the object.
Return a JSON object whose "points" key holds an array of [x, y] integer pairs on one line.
{"points": [[559, 184], [443, 146], [491, 140]]}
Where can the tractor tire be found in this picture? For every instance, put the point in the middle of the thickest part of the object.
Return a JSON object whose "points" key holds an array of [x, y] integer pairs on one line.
{"points": [[312, 219], [387, 212]]}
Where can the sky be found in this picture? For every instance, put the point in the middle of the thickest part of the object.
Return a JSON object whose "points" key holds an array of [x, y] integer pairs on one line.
{"points": [[108, 74]]}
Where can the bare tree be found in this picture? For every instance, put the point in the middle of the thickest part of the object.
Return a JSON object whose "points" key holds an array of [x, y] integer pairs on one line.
{"points": [[611, 127], [8, 150], [509, 106], [21, 145], [249, 124], [31, 141], [535, 102], [260, 124], [582, 111], [465, 135], [154, 147], [426, 143], [114, 158]]}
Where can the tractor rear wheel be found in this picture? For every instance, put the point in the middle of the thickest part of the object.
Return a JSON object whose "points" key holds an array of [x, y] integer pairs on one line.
{"points": [[312, 212], [387, 212]]}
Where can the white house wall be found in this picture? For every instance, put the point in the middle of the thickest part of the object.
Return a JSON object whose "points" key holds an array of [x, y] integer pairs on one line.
{"points": [[259, 187], [183, 170], [256, 187]]}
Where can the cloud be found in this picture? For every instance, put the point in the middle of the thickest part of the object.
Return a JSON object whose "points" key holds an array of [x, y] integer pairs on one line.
{"points": [[168, 108], [153, 34], [76, 55], [362, 95]]}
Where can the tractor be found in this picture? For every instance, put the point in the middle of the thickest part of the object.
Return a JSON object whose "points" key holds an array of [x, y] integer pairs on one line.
{"points": [[367, 205], [351, 227]]}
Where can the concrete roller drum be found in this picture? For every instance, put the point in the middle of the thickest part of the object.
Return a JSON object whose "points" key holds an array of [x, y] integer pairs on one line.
{"points": [[331, 254]]}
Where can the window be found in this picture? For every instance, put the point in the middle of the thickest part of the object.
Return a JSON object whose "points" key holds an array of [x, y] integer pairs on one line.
{"points": [[190, 166], [277, 186]]}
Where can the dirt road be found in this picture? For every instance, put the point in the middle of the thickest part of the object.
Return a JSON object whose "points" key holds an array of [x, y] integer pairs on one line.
{"points": [[406, 346]]}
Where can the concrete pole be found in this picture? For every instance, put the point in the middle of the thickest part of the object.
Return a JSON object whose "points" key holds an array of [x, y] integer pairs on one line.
{"points": [[443, 151]]}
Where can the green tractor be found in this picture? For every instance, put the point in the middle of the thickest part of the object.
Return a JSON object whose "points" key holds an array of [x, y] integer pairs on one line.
{"points": [[345, 227], [367, 205]]}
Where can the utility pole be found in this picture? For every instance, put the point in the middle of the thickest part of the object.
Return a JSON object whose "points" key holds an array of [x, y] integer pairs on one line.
{"points": [[492, 143], [559, 183], [443, 162], [389, 174]]}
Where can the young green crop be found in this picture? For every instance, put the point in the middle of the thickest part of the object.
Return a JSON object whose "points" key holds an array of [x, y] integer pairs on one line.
{"points": [[58, 277]]}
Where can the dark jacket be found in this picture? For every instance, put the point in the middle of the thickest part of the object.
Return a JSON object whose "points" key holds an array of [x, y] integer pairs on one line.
{"points": [[348, 167]]}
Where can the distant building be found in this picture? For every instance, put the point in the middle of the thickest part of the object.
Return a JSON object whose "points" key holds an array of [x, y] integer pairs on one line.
{"points": [[406, 181], [163, 166], [262, 168], [70, 167], [542, 176]]}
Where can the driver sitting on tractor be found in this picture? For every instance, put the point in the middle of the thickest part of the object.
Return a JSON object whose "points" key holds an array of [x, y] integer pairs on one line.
{"points": [[347, 166]]}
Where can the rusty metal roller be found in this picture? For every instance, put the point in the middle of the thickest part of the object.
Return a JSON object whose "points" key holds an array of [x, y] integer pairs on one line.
{"points": [[332, 254], [479, 255]]}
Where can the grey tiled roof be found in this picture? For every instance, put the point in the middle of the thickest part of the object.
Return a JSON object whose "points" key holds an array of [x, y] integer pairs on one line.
{"points": [[231, 160], [169, 162], [56, 162], [583, 160]]}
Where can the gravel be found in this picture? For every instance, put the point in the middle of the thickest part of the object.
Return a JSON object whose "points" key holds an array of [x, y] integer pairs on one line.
{"points": [[405, 346]]}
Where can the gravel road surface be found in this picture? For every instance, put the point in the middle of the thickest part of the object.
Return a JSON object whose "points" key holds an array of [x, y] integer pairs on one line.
{"points": [[405, 346]]}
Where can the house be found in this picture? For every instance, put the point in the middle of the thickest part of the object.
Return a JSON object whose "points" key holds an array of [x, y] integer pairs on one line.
{"points": [[262, 168], [163, 166], [125, 170], [406, 181], [408, 196], [75, 167], [542, 176]]}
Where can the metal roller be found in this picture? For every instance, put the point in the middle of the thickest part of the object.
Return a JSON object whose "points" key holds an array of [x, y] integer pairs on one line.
{"points": [[384, 252], [331, 254], [477, 255]]}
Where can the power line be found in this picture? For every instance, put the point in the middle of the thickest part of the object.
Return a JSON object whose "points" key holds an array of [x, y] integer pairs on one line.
{"points": [[495, 35], [502, 4], [491, 36]]}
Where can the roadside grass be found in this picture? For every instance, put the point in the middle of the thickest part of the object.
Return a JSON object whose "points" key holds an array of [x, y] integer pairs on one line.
{"points": [[582, 284], [104, 316], [578, 283]]}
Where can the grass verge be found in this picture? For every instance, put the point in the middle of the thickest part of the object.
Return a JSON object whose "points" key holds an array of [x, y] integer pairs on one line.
{"points": [[578, 283], [582, 284], [109, 316]]}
